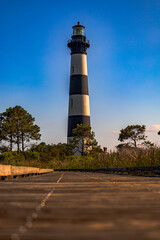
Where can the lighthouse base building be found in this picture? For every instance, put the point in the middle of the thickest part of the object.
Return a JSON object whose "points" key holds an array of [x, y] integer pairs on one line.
{"points": [[79, 111]]}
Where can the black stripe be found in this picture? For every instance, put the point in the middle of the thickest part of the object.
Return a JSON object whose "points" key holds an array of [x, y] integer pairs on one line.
{"points": [[78, 84], [74, 120]]}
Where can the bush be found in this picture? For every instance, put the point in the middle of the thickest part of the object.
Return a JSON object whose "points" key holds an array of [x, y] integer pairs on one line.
{"points": [[31, 155], [11, 158], [56, 158]]}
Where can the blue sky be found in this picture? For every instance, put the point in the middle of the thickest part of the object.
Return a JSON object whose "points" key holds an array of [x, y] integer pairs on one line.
{"points": [[123, 63]]}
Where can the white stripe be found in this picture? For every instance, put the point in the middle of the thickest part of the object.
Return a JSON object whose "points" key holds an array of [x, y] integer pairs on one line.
{"points": [[78, 64], [79, 105]]}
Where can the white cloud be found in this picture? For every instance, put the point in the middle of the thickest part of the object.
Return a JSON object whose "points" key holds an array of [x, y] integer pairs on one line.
{"points": [[115, 132], [153, 128], [156, 127]]}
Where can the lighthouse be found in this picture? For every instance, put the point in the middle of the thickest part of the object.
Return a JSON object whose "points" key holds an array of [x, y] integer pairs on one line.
{"points": [[79, 111]]}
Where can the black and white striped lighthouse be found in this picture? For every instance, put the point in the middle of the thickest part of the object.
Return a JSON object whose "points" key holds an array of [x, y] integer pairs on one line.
{"points": [[79, 111]]}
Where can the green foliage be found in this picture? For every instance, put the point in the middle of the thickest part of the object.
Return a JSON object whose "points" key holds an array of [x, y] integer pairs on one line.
{"points": [[131, 157], [32, 155], [84, 140], [3, 149], [135, 136], [17, 127], [12, 158], [48, 152], [121, 146]]}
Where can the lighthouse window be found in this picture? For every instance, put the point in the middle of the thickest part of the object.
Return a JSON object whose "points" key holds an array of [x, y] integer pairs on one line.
{"points": [[72, 69], [78, 31]]}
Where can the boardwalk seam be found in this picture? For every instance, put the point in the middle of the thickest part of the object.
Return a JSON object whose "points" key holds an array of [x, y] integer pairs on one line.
{"points": [[29, 220]]}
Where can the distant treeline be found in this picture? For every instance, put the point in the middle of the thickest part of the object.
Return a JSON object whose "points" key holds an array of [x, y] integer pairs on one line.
{"points": [[60, 157]]}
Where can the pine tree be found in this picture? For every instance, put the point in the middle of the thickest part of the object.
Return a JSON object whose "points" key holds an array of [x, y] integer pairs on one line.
{"points": [[84, 140], [134, 136], [17, 126]]}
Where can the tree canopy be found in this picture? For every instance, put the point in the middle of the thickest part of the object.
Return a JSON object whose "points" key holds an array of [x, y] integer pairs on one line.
{"points": [[134, 136], [50, 151], [84, 140], [17, 127]]}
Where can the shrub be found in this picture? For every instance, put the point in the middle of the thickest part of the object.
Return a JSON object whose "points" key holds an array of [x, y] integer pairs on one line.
{"points": [[129, 157]]}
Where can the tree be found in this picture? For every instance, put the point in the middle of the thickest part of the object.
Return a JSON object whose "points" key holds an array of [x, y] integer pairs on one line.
{"points": [[135, 136], [7, 128], [3, 149], [122, 146], [17, 126], [49, 152], [84, 140]]}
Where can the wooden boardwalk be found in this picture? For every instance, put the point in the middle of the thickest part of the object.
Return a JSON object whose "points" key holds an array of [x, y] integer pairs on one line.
{"points": [[80, 206]]}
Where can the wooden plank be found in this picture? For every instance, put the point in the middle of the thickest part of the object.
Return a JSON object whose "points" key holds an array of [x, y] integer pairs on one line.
{"points": [[80, 206]]}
